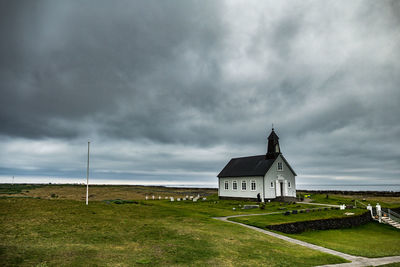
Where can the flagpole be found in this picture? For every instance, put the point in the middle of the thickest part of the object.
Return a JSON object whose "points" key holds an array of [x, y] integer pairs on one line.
{"points": [[87, 175]]}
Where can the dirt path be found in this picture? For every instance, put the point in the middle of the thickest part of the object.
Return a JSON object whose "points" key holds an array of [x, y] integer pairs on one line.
{"points": [[355, 260]]}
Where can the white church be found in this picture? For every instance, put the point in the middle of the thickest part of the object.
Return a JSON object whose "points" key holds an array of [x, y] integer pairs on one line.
{"points": [[263, 177]]}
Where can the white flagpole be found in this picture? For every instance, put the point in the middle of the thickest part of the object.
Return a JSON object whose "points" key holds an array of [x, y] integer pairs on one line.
{"points": [[87, 175]]}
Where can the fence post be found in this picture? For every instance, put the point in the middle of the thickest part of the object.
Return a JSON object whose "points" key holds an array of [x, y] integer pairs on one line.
{"points": [[378, 211], [369, 207]]}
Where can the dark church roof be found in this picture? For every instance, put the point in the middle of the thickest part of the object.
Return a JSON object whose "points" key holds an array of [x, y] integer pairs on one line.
{"points": [[249, 166]]}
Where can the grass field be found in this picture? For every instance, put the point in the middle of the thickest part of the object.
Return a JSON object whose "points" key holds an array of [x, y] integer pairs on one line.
{"points": [[262, 221], [50, 226], [369, 240], [68, 233]]}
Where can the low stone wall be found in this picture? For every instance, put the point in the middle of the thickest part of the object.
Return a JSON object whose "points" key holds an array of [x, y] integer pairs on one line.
{"points": [[325, 224]]}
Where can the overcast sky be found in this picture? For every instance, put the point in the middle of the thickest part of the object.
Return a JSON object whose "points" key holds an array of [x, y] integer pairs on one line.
{"points": [[170, 91]]}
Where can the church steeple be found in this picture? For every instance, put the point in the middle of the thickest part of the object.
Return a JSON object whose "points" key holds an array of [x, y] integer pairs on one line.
{"points": [[273, 148]]}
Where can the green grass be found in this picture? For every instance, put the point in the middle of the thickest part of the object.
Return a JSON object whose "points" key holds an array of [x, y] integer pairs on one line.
{"points": [[262, 221], [151, 233], [396, 264], [369, 240], [214, 207]]}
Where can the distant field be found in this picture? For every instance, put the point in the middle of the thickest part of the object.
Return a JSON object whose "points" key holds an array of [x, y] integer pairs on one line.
{"points": [[99, 192]]}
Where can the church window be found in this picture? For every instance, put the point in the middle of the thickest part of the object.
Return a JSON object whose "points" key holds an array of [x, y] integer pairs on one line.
{"points": [[272, 184], [226, 185], [244, 185], [234, 185], [253, 185], [288, 184], [280, 167]]}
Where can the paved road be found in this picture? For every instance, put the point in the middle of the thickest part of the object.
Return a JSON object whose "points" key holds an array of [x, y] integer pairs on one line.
{"points": [[355, 260]]}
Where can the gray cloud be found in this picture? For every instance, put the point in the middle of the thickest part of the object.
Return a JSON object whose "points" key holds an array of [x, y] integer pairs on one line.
{"points": [[193, 77]]}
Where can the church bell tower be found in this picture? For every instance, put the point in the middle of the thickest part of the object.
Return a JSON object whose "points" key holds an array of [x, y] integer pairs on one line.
{"points": [[273, 148]]}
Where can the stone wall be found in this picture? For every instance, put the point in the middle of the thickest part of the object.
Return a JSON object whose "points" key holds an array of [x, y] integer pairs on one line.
{"points": [[326, 224]]}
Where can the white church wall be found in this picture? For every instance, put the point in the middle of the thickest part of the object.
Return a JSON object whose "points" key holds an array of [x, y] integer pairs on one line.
{"points": [[248, 193]]}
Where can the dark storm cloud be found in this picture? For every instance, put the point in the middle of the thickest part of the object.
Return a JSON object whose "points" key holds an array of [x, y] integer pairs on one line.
{"points": [[187, 84], [78, 61]]}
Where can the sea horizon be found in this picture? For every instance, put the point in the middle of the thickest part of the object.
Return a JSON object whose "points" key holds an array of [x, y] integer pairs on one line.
{"points": [[322, 187]]}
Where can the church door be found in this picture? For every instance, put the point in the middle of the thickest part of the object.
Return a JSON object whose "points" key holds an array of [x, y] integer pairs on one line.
{"points": [[281, 188]]}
